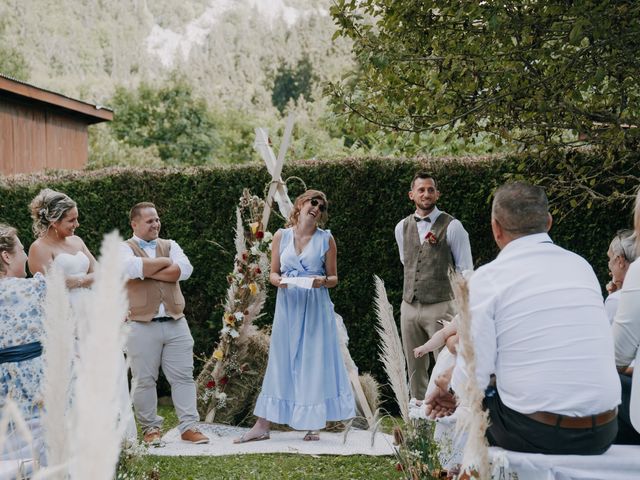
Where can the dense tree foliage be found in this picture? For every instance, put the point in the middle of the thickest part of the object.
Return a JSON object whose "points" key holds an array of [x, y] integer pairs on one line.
{"points": [[86, 49], [170, 118], [12, 62], [291, 82], [540, 73]]}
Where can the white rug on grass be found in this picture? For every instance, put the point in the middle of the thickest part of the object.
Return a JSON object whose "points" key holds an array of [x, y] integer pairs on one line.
{"points": [[358, 442]]}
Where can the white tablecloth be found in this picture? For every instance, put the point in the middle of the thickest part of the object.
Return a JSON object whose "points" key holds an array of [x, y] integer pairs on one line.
{"points": [[620, 462]]}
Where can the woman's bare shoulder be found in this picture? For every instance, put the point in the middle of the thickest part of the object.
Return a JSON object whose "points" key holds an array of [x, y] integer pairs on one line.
{"points": [[76, 241], [38, 245]]}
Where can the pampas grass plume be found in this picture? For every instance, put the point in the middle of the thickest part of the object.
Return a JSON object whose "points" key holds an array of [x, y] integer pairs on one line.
{"points": [[11, 415], [472, 419], [58, 352], [253, 310], [95, 442], [371, 389], [391, 352], [239, 239]]}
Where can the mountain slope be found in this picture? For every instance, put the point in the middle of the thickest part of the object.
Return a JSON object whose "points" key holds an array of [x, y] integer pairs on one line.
{"points": [[228, 49]]}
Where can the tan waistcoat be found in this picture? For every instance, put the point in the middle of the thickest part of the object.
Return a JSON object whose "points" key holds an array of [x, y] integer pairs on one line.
{"points": [[426, 266], [145, 296]]}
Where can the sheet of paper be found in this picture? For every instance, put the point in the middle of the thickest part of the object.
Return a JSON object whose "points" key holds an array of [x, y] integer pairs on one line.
{"points": [[302, 282]]}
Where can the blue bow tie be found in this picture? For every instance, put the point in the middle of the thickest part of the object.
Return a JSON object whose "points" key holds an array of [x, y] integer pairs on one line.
{"points": [[145, 244]]}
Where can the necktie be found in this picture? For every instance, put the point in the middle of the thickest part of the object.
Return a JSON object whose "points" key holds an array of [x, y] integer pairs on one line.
{"points": [[145, 244], [420, 219]]}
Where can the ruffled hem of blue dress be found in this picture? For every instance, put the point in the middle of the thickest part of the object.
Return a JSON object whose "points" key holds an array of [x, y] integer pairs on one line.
{"points": [[305, 417]]}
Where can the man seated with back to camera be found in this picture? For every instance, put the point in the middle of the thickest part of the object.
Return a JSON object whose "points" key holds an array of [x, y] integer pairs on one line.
{"points": [[539, 325]]}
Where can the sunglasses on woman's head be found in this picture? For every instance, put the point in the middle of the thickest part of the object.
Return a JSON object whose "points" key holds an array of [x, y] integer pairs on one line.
{"points": [[315, 203]]}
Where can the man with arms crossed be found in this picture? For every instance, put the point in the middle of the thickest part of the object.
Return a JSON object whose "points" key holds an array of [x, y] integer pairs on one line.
{"points": [[539, 325], [159, 333]]}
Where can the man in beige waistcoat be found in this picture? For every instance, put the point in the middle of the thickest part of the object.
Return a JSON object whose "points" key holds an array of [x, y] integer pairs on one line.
{"points": [[159, 335], [430, 242]]}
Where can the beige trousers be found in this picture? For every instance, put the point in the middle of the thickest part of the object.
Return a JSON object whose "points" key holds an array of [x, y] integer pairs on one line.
{"points": [[418, 322], [151, 345]]}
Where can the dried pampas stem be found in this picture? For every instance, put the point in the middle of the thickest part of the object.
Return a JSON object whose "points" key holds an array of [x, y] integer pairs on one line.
{"points": [[11, 419], [472, 419], [371, 389], [362, 402], [59, 334], [253, 311], [391, 352], [95, 443], [239, 240]]}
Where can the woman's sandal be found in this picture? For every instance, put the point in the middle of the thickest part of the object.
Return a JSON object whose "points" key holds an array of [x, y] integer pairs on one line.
{"points": [[311, 436], [243, 439]]}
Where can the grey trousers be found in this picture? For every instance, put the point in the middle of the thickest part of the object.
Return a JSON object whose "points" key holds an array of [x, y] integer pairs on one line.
{"points": [[168, 345], [418, 322]]}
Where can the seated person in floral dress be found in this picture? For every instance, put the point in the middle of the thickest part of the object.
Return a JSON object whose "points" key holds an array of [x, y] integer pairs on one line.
{"points": [[21, 328]]}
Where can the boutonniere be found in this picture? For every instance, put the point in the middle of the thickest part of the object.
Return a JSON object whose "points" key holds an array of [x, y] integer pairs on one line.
{"points": [[431, 238]]}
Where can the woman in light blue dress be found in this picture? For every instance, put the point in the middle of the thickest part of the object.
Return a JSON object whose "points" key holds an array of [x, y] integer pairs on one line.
{"points": [[306, 382]]}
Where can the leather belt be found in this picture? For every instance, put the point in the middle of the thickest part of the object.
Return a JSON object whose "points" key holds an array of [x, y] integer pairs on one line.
{"points": [[563, 421], [162, 319]]}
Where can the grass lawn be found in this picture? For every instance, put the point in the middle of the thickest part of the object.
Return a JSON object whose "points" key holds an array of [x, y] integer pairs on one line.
{"points": [[264, 466]]}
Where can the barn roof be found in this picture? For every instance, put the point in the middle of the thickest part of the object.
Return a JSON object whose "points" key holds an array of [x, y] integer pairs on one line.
{"points": [[26, 93]]}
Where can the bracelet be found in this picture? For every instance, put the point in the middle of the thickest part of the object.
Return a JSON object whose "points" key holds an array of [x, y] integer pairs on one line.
{"points": [[79, 283], [326, 280]]}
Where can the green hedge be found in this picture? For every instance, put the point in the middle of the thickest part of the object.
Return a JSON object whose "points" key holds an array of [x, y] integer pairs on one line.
{"points": [[367, 197]]}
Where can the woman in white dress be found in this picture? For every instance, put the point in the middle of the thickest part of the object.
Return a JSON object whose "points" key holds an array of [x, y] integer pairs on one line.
{"points": [[55, 220]]}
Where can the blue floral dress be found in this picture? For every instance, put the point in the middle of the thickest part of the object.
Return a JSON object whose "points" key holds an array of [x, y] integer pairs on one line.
{"points": [[306, 382], [21, 317]]}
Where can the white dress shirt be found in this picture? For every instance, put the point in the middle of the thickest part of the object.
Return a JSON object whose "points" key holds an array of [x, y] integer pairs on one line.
{"points": [[133, 264], [457, 239], [539, 325], [626, 324], [611, 305]]}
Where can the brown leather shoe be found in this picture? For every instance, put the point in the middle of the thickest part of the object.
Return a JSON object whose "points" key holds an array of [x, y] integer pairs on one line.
{"points": [[194, 436], [153, 435]]}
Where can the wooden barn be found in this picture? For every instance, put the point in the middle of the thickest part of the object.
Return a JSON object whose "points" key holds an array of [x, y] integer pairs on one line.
{"points": [[42, 130]]}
